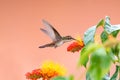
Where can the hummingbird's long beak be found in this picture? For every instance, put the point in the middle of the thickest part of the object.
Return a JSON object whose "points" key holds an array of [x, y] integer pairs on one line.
{"points": [[74, 39]]}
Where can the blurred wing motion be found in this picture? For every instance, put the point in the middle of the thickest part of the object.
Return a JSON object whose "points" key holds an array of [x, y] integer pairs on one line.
{"points": [[54, 35], [51, 31], [47, 45]]}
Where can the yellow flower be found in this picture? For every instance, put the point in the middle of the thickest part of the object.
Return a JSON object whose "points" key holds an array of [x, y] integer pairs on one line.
{"points": [[80, 40], [51, 69]]}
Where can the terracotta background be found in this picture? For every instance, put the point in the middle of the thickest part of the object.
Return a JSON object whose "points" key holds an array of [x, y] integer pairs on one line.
{"points": [[20, 35]]}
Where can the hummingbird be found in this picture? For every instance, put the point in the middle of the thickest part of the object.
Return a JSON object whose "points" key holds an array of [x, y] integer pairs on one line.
{"points": [[57, 39]]}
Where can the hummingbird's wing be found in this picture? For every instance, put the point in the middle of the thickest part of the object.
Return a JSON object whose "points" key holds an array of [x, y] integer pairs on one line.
{"points": [[51, 31]]}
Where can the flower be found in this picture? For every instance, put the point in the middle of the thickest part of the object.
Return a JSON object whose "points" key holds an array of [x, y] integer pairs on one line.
{"points": [[47, 71], [76, 46], [34, 75], [51, 69]]}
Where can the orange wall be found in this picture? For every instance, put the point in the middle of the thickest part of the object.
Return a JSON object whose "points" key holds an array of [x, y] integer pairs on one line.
{"points": [[20, 35]]}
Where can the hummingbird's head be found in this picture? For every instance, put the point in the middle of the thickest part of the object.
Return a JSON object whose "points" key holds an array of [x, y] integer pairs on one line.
{"points": [[68, 38]]}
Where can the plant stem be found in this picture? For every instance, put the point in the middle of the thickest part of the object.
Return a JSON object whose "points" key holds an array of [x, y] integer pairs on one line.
{"points": [[119, 69]]}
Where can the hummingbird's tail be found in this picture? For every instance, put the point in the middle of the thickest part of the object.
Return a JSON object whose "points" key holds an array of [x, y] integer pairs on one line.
{"points": [[46, 45]]}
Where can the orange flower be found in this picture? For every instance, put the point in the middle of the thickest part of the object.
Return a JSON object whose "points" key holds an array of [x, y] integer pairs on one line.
{"points": [[34, 75], [47, 71], [76, 46]]}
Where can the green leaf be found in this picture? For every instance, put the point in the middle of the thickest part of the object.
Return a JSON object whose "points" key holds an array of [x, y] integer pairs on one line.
{"points": [[59, 78], [114, 77], [86, 51], [114, 51], [85, 60], [112, 55], [104, 36], [115, 33], [107, 20], [106, 77], [99, 64], [118, 47], [88, 76], [90, 33], [110, 28], [71, 77], [101, 23]]}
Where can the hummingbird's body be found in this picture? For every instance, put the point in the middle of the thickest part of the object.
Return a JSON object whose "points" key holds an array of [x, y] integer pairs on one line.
{"points": [[57, 39]]}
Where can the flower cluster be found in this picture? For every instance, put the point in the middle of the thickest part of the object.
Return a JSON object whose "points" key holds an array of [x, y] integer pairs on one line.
{"points": [[51, 69], [34, 75], [76, 46], [47, 71]]}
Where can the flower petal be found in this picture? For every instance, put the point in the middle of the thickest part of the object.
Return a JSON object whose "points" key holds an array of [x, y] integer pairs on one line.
{"points": [[76, 46]]}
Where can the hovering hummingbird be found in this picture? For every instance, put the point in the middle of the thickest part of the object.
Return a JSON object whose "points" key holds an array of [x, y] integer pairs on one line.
{"points": [[57, 39]]}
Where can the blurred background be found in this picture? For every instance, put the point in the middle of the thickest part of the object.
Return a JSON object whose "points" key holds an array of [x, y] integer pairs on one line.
{"points": [[20, 35]]}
